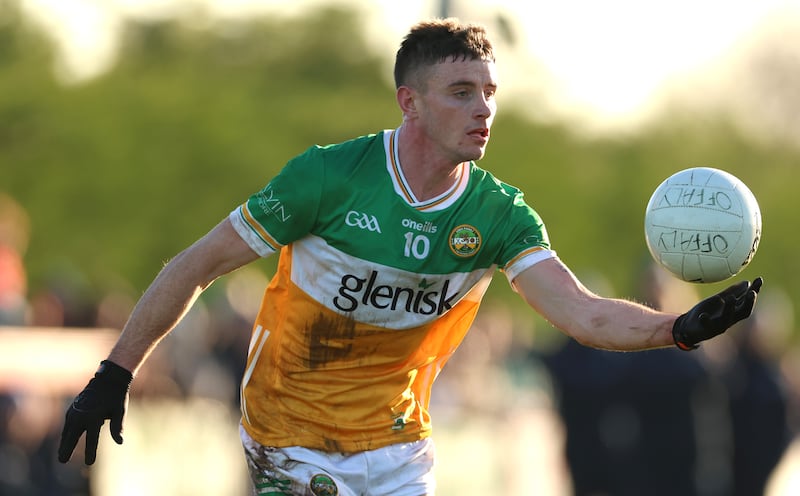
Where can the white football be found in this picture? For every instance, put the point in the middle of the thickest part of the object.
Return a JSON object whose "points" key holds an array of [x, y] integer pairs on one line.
{"points": [[703, 225]]}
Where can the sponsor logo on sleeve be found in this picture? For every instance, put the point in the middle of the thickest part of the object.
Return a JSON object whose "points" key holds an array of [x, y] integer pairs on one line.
{"points": [[269, 203]]}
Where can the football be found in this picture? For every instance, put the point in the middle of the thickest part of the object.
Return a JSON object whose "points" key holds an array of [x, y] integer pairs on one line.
{"points": [[703, 225]]}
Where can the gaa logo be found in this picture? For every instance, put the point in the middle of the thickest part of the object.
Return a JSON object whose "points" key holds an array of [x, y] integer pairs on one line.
{"points": [[465, 240], [362, 221]]}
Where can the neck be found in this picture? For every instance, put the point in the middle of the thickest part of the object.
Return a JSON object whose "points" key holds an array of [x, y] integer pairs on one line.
{"points": [[427, 172]]}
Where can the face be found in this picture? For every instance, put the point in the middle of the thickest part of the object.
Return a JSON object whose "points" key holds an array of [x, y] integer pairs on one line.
{"points": [[455, 106]]}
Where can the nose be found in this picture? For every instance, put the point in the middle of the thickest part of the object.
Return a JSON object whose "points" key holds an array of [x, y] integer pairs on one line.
{"points": [[485, 107]]}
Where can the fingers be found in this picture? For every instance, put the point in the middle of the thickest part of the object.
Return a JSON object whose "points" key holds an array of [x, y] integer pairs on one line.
{"points": [[69, 439], [736, 290], [116, 427], [741, 297], [748, 298], [92, 438], [749, 302], [742, 288], [744, 304]]}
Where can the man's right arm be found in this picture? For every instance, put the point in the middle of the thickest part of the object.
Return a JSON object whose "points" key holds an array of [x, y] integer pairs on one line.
{"points": [[162, 306], [175, 289]]}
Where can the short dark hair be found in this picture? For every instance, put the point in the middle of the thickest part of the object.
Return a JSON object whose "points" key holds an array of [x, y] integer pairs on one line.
{"points": [[431, 42]]}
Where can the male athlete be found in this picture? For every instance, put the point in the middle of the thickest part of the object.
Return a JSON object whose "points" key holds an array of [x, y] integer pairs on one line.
{"points": [[387, 244]]}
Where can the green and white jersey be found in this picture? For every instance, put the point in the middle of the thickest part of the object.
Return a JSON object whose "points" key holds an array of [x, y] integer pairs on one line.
{"points": [[373, 293]]}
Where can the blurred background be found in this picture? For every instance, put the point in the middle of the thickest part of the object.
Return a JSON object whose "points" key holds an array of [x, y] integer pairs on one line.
{"points": [[129, 128]]}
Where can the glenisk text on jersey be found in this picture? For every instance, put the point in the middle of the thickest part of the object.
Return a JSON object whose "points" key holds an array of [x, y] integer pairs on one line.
{"points": [[426, 299]]}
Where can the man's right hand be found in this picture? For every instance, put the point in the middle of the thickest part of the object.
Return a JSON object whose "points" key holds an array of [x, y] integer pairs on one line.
{"points": [[105, 397]]}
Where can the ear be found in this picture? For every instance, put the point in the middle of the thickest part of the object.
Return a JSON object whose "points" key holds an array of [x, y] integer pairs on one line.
{"points": [[406, 99]]}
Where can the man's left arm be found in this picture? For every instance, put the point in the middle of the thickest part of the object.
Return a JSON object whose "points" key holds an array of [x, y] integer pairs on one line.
{"points": [[553, 291]]}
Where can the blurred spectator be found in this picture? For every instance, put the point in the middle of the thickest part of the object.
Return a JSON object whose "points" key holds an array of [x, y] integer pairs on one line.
{"points": [[28, 436], [759, 395], [630, 418], [14, 234], [512, 423], [66, 300]]}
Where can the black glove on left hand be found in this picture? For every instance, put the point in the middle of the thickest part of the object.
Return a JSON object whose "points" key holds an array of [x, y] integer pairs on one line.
{"points": [[715, 314], [103, 398]]}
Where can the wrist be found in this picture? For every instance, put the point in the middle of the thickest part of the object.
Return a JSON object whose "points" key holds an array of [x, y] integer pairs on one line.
{"points": [[679, 337], [114, 373]]}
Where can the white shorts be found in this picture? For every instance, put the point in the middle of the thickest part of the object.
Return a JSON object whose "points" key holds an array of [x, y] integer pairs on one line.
{"points": [[404, 469]]}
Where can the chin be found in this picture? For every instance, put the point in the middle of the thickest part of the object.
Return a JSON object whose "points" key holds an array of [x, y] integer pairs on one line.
{"points": [[467, 154], [479, 155]]}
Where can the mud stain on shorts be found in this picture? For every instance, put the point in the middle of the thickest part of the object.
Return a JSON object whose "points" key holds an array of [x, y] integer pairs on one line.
{"points": [[268, 469]]}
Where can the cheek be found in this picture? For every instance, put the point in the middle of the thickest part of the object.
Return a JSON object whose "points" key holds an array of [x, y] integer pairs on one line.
{"points": [[440, 123], [441, 120]]}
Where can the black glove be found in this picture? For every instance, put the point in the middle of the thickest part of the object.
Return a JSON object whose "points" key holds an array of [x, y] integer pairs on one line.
{"points": [[715, 314], [103, 398]]}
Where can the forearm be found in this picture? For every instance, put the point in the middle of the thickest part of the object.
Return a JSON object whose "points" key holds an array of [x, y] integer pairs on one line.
{"points": [[622, 325], [175, 290], [551, 289], [163, 305]]}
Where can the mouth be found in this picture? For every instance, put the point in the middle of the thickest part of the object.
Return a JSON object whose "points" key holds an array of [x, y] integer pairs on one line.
{"points": [[481, 134]]}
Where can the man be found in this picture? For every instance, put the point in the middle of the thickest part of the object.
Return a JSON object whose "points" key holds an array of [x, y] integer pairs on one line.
{"points": [[387, 244]]}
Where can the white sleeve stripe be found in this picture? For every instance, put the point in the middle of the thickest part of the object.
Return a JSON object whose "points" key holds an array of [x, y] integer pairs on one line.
{"points": [[517, 266], [249, 235]]}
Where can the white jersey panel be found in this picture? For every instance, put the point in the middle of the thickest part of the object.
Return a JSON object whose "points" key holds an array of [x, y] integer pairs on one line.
{"points": [[377, 294]]}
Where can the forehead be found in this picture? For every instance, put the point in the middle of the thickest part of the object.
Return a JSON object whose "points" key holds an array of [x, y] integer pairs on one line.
{"points": [[475, 72]]}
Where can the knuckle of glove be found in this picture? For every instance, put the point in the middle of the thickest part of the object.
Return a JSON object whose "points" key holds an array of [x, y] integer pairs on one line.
{"points": [[103, 394], [91, 400]]}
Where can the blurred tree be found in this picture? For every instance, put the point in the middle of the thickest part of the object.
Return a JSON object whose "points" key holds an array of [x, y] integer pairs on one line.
{"points": [[121, 172]]}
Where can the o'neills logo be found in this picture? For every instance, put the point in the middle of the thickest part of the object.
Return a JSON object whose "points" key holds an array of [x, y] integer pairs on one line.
{"points": [[425, 299], [465, 240]]}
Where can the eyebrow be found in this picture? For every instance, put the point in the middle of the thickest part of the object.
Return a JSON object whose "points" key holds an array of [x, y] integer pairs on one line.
{"points": [[466, 82]]}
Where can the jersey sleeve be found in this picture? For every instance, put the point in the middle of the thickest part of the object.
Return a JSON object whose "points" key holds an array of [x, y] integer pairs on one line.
{"points": [[527, 240], [285, 209]]}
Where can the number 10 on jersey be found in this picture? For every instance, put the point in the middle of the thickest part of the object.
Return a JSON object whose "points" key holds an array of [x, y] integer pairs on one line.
{"points": [[417, 245]]}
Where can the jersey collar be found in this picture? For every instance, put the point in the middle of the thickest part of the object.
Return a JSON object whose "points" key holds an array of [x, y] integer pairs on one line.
{"points": [[402, 188]]}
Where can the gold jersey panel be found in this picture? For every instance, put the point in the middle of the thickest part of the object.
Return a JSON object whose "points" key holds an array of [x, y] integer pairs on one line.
{"points": [[319, 379]]}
